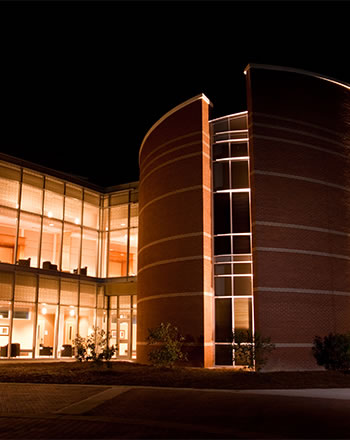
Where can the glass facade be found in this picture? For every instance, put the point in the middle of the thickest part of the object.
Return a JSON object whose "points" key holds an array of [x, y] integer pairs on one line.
{"points": [[232, 234], [62, 240]]}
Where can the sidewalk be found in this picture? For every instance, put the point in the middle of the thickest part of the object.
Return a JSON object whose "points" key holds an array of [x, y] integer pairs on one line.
{"points": [[45, 411]]}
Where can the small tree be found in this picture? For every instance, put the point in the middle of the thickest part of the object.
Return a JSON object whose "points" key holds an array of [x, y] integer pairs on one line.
{"points": [[95, 347], [332, 351], [251, 349], [170, 344]]}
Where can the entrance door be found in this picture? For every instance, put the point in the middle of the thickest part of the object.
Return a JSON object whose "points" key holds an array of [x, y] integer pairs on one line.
{"points": [[123, 338]]}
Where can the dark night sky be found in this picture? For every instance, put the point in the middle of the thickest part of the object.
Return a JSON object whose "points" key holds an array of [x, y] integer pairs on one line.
{"points": [[81, 83]]}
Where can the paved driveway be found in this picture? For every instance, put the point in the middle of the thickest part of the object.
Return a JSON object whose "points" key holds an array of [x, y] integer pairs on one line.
{"points": [[35, 411]]}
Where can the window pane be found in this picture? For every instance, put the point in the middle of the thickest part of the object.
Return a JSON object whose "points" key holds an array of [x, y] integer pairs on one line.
{"points": [[239, 175], [119, 217], [133, 252], [222, 245], [134, 215], [125, 302], [25, 288], [69, 293], [32, 199], [221, 175], [71, 248], [29, 237], [88, 295], [240, 212], [241, 244], [51, 243], [242, 285], [223, 354], [242, 268], [86, 321], [117, 253], [220, 151], [243, 314], [89, 252], [223, 320], [239, 150], [223, 286], [45, 343], [221, 269], [48, 290], [91, 216], [8, 226], [23, 327], [67, 331], [6, 282], [9, 190], [53, 205], [5, 326], [72, 210], [221, 213]]}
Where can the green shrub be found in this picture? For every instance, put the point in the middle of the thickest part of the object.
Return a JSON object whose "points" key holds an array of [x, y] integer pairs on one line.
{"points": [[251, 349], [170, 343], [332, 351], [95, 347]]}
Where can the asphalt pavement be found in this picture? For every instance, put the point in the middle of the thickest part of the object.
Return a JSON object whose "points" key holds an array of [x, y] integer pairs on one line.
{"points": [[47, 411]]}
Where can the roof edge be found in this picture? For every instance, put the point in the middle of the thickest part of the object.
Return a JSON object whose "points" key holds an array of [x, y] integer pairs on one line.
{"points": [[169, 113], [299, 71]]}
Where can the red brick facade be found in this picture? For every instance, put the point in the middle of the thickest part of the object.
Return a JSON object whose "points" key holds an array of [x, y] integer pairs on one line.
{"points": [[299, 149]]}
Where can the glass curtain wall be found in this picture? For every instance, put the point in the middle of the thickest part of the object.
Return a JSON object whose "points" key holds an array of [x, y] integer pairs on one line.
{"points": [[49, 224], [40, 316], [232, 235]]}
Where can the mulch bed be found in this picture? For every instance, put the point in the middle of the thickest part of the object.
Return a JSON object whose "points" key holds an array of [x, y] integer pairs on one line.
{"points": [[125, 373]]}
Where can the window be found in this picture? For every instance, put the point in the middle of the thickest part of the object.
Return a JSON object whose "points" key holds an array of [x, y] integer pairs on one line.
{"points": [[8, 229], [28, 239], [51, 243]]}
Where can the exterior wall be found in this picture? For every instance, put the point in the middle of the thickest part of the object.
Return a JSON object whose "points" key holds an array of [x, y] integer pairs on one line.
{"points": [[175, 244], [299, 139]]}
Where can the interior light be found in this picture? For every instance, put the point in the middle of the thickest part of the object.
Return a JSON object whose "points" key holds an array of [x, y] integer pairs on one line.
{"points": [[76, 221], [51, 224], [1, 316], [72, 312], [122, 224], [49, 214], [44, 310]]}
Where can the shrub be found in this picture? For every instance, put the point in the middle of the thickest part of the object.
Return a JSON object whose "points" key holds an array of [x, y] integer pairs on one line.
{"points": [[170, 344], [332, 351], [251, 349], [95, 347]]}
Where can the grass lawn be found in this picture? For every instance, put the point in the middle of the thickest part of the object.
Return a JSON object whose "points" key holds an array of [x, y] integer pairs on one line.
{"points": [[125, 373]]}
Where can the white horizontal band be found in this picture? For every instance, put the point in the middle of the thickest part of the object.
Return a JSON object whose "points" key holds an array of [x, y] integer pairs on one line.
{"points": [[174, 260], [302, 178], [307, 228], [301, 251], [307, 291], [301, 144], [293, 345], [174, 237], [169, 162], [174, 295], [172, 193]]}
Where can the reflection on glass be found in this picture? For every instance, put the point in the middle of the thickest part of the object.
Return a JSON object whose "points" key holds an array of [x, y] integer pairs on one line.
{"points": [[51, 243], [71, 247], [28, 241], [117, 253], [8, 225]]}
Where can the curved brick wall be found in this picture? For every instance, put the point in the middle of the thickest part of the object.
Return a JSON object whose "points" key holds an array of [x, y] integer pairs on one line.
{"points": [[299, 140], [175, 248]]}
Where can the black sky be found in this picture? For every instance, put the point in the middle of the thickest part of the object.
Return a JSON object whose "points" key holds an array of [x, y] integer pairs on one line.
{"points": [[82, 82]]}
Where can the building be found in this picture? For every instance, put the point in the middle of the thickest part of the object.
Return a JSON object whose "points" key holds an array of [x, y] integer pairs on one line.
{"points": [[241, 223]]}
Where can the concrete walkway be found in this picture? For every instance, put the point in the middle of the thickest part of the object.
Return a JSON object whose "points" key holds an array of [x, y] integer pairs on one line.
{"points": [[46, 411]]}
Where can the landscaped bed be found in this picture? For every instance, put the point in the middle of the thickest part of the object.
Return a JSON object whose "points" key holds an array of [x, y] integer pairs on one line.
{"points": [[125, 373]]}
